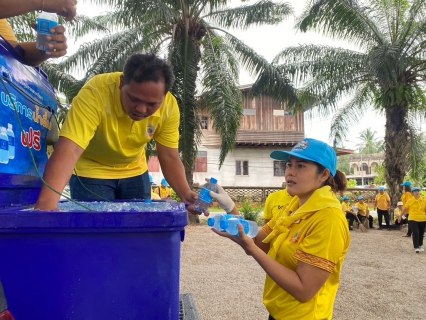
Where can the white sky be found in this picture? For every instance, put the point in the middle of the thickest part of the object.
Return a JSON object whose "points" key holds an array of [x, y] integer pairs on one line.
{"points": [[268, 41]]}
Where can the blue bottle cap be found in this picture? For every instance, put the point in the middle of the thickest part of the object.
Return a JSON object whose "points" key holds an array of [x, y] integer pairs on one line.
{"points": [[148, 201], [213, 180], [223, 224], [210, 222]]}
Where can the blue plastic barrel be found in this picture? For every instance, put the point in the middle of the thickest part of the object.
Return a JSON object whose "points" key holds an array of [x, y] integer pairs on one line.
{"points": [[92, 265]]}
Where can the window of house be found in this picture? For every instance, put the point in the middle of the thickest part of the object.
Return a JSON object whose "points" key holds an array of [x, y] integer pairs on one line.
{"points": [[242, 168], [279, 168], [249, 112], [201, 162], [282, 113], [204, 123]]}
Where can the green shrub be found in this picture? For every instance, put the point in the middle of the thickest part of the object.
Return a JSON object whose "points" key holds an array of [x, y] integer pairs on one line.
{"points": [[351, 183], [250, 211]]}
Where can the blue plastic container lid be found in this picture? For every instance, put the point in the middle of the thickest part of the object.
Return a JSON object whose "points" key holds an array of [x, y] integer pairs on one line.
{"points": [[20, 217], [213, 180]]}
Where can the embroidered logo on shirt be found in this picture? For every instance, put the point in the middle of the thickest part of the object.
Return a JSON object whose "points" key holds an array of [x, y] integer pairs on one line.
{"points": [[150, 131], [295, 238]]}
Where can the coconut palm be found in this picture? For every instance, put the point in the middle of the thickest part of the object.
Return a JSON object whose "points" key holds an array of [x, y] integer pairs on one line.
{"points": [[194, 36], [369, 143], [386, 74]]}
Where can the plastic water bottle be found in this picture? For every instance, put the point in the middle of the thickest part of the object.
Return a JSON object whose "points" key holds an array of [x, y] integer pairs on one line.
{"points": [[204, 200], [11, 137], [214, 222], [45, 22], [4, 146], [355, 209], [231, 226]]}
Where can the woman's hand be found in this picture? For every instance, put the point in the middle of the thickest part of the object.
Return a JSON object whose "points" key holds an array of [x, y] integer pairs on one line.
{"points": [[242, 239], [222, 198]]}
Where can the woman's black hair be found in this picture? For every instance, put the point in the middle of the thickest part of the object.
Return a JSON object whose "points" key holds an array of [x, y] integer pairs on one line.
{"points": [[407, 188], [337, 183]]}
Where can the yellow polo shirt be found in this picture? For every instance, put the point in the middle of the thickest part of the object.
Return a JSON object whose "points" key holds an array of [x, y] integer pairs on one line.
{"points": [[362, 209], [405, 197], [113, 143], [416, 209], [383, 201], [154, 196], [163, 192], [346, 207], [321, 240], [276, 202], [6, 31], [397, 213]]}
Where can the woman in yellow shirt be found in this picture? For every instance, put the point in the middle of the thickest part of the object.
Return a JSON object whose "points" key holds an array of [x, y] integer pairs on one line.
{"points": [[406, 189], [416, 207], [364, 212], [303, 247]]}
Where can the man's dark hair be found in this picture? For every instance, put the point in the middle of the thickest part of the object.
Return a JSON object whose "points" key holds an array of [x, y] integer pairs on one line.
{"points": [[148, 67]]}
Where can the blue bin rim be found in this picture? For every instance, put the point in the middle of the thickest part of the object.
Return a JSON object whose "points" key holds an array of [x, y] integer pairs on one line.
{"points": [[20, 217]]}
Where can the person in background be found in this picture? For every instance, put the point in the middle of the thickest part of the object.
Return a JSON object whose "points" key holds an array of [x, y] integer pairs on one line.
{"points": [[65, 8], [154, 196], [349, 212], [382, 203], [275, 203], [303, 247], [104, 136], [397, 213], [364, 212], [416, 208], [406, 190], [164, 190]]}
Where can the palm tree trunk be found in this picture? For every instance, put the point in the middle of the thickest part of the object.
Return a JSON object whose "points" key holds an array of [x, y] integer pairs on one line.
{"points": [[396, 148]]}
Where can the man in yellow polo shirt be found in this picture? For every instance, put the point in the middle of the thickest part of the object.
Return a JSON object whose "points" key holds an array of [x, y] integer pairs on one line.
{"points": [[104, 137], [382, 204]]}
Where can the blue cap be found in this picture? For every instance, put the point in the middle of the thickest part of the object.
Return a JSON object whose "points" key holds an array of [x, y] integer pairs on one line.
{"points": [[311, 150], [415, 189], [406, 184], [345, 198], [150, 179], [164, 183], [360, 198], [381, 188], [213, 180]]}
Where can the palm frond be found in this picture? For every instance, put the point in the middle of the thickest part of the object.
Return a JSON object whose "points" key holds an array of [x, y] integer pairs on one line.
{"points": [[221, 96], [342, 19], [350, 113], [259, 13]]}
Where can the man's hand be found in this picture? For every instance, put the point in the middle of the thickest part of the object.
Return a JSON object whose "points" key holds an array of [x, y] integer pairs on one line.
{"points": [[58, 49], [190, 197], [64, 8]]}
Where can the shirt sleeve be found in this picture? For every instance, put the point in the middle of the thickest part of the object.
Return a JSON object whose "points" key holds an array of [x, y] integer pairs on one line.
{"points": [[168, 135], [83, 118], [323, 246], [267, 211]]}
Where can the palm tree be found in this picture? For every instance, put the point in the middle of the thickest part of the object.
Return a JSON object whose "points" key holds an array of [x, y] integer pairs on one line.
{"points": [[368, 142], [193, 35], [387, 73]]}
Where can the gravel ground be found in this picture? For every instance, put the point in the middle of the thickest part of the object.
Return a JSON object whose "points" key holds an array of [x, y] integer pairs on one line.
{"points": [[228, 284]]}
